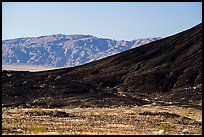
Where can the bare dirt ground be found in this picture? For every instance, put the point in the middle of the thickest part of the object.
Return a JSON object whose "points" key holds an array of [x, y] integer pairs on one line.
{"points": [[142, 120], [31, 68]]}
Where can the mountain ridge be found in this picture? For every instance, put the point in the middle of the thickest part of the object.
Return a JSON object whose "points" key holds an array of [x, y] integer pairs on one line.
{"points": [[63, 50], [167, 71]]}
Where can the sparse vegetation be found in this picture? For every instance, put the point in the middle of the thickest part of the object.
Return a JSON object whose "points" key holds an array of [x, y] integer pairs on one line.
{"points": [[138, 110], [165, 126], [38, 129], [200, 130], [171, 120], [185, 119], [122, 120], [38, 109]]}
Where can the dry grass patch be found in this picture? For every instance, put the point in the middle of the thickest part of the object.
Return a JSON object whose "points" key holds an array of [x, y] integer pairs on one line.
{"points": [[122, 120]]}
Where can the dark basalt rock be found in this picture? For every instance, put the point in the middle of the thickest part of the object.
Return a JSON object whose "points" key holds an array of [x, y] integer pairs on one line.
{"points": [[167, 70], [49, 113], [166, 114]]}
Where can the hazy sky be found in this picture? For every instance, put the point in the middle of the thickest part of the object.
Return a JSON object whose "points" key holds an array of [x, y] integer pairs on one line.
{"points": [[115, 20]]}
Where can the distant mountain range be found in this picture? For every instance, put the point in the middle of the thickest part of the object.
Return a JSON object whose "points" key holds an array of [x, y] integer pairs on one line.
{"points": [[63, 50]]}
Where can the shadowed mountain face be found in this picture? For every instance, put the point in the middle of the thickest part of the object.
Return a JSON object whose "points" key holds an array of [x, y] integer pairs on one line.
{"points": [[168, 70]]}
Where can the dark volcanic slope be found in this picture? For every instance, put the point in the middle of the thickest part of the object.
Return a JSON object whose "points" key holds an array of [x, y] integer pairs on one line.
{"points": [[166, 70]]}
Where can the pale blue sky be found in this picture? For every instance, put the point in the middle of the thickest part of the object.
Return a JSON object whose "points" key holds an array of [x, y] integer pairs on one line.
{"points": [[114, 20]]}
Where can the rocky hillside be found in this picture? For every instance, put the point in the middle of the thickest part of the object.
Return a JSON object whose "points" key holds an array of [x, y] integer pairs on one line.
{"points": [[63, 50], [166, 71]]}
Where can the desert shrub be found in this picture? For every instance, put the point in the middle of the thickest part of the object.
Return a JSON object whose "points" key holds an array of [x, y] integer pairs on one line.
{"points": [[55, 112], [122, 129], [59, 131], [200, 130], [4, 110], [39, 129], [38, 109], [164, 126], [138, 110], [16, 116], [186, 119], [104, 113], [91, 113], [171, 120], [192, 111], [131, 122]]}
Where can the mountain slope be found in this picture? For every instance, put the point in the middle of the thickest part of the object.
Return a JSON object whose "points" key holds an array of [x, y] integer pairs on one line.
{"points": [[168, 71], [63, 50]]}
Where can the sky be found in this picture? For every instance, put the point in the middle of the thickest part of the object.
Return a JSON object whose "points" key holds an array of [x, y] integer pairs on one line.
{"points": [[114, 20]]}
